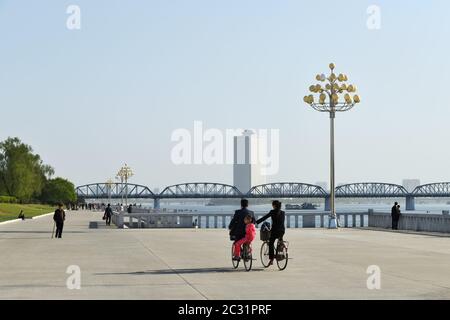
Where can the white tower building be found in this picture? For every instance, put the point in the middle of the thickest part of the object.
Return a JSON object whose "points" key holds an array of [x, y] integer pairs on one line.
{"points": [[246, 167]]}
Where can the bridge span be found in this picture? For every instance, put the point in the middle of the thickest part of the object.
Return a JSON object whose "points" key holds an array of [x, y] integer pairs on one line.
{"points": [[276, 190]]}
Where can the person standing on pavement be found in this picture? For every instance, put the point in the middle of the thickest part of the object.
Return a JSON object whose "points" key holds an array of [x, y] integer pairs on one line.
{"points": [[395, 214], [59, 217], [108, 215]]}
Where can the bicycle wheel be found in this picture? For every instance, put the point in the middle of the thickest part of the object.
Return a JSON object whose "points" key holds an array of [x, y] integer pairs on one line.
{"points": [[247, 257], [282, 256], [234, 262], [264, 254]]}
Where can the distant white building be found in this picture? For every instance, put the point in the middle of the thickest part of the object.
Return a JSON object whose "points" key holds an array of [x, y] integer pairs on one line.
{"points": [[410, 184], [246, 168]]}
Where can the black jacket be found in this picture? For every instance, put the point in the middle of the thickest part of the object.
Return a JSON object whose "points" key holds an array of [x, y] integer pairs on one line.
{"points": [[395, 212], [237, 225], [59, 216], [108, 212], [278, 217]]}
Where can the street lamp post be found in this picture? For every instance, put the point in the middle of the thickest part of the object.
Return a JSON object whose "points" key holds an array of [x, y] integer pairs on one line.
{"points": [[124, 174], [109, 184], [121, 187], [332, 99]]}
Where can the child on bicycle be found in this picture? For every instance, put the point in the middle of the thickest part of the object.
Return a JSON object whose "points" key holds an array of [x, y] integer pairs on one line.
{"points": [[250, 234]]}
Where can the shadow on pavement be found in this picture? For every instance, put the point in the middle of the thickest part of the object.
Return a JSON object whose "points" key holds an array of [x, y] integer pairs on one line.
{"points": [[180, 271], [31, 232]]}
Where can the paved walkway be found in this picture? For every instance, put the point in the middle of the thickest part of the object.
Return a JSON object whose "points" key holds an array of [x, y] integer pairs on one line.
{"points": [[195, 264]]}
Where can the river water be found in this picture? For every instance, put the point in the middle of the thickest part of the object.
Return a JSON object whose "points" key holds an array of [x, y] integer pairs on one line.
{"points": [[431, 207], [196, 208]]}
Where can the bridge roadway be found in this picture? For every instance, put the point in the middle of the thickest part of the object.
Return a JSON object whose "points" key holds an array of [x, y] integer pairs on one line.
{"points": [[275, 190], [195, 264]]}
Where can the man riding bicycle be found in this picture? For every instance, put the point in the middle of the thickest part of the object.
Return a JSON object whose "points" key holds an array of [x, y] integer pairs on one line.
{"points": [[237, 224]]}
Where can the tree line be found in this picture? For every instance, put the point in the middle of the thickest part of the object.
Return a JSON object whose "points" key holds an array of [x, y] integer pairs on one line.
{"points": [[25, 178]]}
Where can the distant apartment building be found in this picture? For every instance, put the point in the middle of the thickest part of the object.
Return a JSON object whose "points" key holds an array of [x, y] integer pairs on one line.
{"points": [[246, 168], [410, 184]]}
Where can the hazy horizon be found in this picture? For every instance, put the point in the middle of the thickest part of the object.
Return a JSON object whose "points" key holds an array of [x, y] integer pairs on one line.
{"points": [[113, 92]]}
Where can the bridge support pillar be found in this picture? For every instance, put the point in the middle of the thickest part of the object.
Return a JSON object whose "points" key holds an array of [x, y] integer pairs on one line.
{"points": [[327, 203], [156, 203], [410, 203]]}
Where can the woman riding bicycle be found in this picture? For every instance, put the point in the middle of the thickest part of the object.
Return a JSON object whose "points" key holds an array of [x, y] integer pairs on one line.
{"points": [[277, 231]]}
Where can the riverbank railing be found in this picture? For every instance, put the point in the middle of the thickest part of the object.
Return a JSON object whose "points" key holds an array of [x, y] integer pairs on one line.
{"points": [[413, 221], [221, 220]]}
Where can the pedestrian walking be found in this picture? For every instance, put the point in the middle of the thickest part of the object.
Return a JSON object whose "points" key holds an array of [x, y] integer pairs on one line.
{"points": [[59, 217], [108, 214]]}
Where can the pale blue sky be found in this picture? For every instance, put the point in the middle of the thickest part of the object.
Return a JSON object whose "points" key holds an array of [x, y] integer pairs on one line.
{"points": [[89, 100]]}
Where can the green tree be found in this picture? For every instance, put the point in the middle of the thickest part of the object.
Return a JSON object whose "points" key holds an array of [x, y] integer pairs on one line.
{"points": [[58, 190], [22, 173]]}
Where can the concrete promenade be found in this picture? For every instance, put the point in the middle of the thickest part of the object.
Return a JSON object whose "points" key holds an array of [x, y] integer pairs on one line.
{"points": [[195, 264]]}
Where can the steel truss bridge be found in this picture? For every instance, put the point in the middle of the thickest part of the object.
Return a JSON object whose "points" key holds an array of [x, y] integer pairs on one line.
{"points": [[113, 191], [210, 190]]}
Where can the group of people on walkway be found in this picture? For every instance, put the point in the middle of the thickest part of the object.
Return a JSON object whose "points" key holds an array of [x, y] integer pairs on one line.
{"points": [[243, 231], [60, 216], [242, 226]]}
